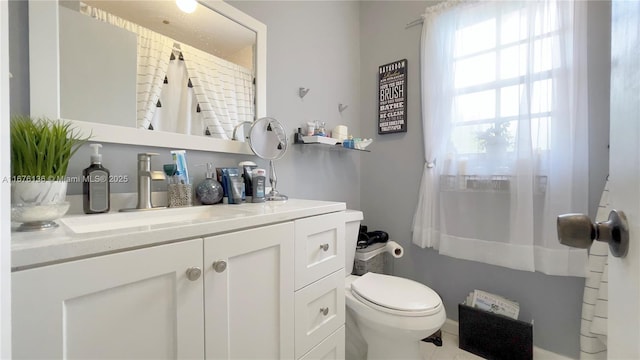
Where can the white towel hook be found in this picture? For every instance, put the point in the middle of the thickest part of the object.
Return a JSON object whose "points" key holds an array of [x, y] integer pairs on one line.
{"points": [[342, 107], [302, 92]]}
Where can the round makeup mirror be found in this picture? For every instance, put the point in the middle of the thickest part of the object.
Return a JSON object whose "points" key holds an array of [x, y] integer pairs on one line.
{"points": [[268, 140]]}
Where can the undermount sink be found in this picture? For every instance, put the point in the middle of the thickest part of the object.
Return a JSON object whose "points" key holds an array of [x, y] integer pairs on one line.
{"points": [[121, 220]]}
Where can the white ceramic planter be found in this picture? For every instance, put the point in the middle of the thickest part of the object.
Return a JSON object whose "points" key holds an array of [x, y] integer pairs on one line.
{"points": [[36, 204], [38, 192]]}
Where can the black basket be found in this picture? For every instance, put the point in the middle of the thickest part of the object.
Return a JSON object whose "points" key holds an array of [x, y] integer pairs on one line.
{"points": [[493, 336]]}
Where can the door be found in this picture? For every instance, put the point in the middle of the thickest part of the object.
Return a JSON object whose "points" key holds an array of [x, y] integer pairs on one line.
{"points": [[249, 299], [139, 304], [624, 168]]}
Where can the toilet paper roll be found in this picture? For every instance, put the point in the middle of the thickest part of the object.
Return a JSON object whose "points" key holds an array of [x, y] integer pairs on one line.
{"points": [[394, 249]]}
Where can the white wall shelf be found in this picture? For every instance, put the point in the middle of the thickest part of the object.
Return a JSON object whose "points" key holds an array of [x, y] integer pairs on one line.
{"points": [[298, 140]]}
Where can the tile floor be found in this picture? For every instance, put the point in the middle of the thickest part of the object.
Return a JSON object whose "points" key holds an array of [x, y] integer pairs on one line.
{"points": [[448, 351]]}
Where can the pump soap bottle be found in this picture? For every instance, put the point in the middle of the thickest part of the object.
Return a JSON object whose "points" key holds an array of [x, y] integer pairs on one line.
{"points": [[95, 185], [209, 191]]}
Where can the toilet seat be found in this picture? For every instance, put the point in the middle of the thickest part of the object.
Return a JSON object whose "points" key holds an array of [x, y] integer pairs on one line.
{"points": [[396, 295]]}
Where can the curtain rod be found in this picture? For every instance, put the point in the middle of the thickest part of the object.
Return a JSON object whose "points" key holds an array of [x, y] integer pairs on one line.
{"points": [[436, 8]]}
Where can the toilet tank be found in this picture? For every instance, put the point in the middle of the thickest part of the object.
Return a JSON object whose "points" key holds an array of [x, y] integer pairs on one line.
{"points": [[352, 227]]}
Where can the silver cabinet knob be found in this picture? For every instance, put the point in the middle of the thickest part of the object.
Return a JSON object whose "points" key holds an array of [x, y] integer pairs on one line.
{"points": [[324, 311], [219, 266], [577, 230], [193, 273], [324, 247]]}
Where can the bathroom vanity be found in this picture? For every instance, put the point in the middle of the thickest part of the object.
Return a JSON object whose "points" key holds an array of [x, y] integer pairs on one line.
{"points": [[223, 281]]}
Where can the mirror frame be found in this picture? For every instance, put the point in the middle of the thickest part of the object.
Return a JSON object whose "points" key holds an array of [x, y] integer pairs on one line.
{"points": [[44, 73]]}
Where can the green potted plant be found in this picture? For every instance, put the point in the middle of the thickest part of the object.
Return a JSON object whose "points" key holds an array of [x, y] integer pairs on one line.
{"points": [[496, 139], [40, 153]]}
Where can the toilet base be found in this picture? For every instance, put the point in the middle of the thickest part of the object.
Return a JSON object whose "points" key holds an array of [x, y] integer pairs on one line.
{"points": [[381, 347], [355, 345], [435, 339]]}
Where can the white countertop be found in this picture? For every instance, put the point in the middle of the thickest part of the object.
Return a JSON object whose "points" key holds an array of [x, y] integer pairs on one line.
{"points": [[30, 249]]}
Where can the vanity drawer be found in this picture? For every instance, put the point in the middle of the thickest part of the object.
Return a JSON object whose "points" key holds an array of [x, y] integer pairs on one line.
{"points": [[319, 311], [319, 247], [331, 348]]}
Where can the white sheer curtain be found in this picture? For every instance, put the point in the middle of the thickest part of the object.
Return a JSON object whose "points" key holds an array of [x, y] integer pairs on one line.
{"points": [[154, 51], [505, 132], [223, 89]]}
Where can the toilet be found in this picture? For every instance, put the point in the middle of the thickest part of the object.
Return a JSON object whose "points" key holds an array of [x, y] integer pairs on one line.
{"points": [[391, 314]]}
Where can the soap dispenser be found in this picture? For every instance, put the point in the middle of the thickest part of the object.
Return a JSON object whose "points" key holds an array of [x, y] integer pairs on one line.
{"points": [[95, 185], [209, 191]]}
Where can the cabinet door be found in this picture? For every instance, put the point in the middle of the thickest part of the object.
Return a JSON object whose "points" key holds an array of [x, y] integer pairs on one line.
{"points": [[319, 247], [135, 304], [249, 299]]}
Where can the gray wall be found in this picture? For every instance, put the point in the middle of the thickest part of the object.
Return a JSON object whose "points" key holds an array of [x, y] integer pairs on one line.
{"points": [[334, 49], [391, 179], [316, 45]]}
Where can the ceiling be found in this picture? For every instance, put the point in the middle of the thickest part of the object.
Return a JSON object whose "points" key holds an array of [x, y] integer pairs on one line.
{"points": [[204, 29]]}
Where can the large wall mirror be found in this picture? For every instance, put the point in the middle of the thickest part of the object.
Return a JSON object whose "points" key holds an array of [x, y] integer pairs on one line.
{"points": [[147, 73]]}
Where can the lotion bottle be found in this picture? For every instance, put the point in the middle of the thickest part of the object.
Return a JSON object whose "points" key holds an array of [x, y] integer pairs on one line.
{"points": [[95, 185]]}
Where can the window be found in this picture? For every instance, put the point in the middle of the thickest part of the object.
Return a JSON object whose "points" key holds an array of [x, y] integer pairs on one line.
{"points": [[498, 86], [504, 116]]}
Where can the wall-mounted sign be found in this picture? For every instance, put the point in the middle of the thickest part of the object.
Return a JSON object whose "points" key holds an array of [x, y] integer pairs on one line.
{"points": [[392, 96]]}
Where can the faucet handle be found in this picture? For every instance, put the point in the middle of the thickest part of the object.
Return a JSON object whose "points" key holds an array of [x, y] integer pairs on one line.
{"points": [[146, 156], [157, 175]]}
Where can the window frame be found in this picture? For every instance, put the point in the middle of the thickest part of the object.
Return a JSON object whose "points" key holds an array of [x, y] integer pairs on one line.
{"points": [[498, 84]]}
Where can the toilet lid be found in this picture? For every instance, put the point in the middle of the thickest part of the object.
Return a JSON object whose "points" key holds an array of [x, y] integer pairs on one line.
{"points": [[396, 295]]}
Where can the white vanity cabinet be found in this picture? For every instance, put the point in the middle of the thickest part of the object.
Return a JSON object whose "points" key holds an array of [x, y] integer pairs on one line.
{"points": [[133, 304], [248, 282], [267, 286]]}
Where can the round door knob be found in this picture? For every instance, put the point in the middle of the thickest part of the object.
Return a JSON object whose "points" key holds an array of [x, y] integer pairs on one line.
{"points": [[324, 247], [324, 311], [219, 266], [193, 273], [577, 230]]}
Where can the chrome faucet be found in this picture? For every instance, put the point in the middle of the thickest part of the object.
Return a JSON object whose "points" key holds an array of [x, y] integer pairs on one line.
{"points": [[145, 176]]}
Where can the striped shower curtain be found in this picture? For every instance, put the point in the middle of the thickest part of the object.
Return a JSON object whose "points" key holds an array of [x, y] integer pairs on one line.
{"points": [[224, 91], [593, 329]]}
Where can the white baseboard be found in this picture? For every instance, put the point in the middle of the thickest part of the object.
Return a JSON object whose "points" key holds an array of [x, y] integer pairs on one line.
{"points": [[451, 327]]}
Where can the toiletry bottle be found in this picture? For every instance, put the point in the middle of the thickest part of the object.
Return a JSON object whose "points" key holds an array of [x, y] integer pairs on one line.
{"points": [[227, 174], [246, 167], [209, 191], [258, 181], [95, 185], [179, 158], [237, 185]]}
